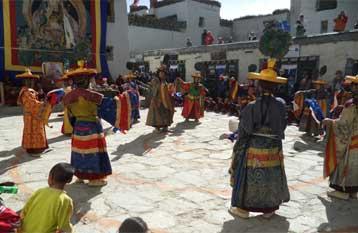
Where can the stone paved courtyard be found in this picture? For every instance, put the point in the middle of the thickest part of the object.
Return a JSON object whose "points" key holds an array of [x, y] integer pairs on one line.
{"points": [[176, 182]]}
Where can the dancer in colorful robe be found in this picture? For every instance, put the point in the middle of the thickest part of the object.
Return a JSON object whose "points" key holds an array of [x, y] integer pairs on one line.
{"points": [[340, 98], [257, 171], [302, 111], [89, 154], [194, 96], [131, 87], [341, 158], [161, 109], [34, 139]]}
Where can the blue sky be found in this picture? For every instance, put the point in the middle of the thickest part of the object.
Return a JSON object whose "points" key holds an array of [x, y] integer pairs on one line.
{"points": [[231, 9]]}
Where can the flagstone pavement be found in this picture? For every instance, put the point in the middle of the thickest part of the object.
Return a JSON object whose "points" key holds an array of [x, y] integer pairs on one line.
{"points": [[177, 182]]}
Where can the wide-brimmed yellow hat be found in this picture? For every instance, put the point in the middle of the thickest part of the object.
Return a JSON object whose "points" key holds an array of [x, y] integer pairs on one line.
{"points": [[80, 72], [196, 75], [28, 75], [269, 74], [319, 82], [352, 79]]}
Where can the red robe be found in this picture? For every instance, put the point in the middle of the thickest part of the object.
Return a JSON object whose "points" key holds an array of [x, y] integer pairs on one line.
{"points": [[193, 100]]}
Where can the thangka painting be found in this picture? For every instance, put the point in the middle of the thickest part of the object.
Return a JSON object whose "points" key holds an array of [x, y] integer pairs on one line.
{"points": [[37, 31]]}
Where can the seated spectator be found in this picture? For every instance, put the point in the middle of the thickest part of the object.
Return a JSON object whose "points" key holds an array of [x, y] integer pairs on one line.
{"points": [[252, 36], [356, 26], [133, 225], [340, 22], [209, 38], [188, 42], [300, 29], [50, 209]]}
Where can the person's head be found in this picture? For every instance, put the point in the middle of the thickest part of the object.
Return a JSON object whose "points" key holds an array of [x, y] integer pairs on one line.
{"points": [[82, 82], [339, 74], [60, 175], [133, 225], [267, 87], [342, 13], [205, 31], [301, 18], [29, 82], [188, 40]]}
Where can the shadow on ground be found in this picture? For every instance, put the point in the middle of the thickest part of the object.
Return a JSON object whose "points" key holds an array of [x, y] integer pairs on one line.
{"points": [[16, 156], [82, 196], [277, 224], [309, 143], [140, 145], [341, 215], [181, 127]]}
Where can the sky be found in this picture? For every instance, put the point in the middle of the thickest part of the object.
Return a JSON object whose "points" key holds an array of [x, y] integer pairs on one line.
{"points": [[231, 9]]}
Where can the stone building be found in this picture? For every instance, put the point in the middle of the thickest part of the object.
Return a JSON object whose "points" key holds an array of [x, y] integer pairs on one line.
{"points": [[337, 51], [319, 15]]}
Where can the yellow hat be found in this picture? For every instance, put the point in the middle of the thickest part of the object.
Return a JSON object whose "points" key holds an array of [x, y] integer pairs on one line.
{"points": [[28, 75], [196, 75], [80, 71], [269, 74], [319, 82], [130, 75], [352, 79], [162, 68]]}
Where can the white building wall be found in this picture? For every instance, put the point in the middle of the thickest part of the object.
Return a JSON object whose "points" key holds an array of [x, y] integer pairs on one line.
{"points": [[225, 32], [333, 55], [179, 9], [143, 39], [117, 36], [314, 18], [242, 27], [211, 15], [246, 58]]}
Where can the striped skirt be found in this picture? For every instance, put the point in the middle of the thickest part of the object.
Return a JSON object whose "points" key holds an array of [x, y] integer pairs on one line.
{"points": [[89, 151]]}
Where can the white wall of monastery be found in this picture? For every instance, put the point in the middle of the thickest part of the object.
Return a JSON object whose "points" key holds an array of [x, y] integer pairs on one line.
{"points": [[117, 36], [314, 18], [242, 27], [143, 39], [333, 55], [211, 14]]}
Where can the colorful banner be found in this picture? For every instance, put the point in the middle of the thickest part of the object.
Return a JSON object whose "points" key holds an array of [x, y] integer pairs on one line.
{"points": [[39, 31]]}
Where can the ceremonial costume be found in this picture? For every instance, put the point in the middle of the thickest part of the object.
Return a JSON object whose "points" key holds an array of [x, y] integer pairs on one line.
{"points": [[161, 109], [339, 100], [257, 171], [194, 94], [341, 158], [34, 139], [89, 154], [303, 110], [133, 92]]}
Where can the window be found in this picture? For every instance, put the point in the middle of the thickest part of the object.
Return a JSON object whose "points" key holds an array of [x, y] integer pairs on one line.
{"points": [[326, 5], [324, 26], [109, 53], [201, 22], [110, 11]]}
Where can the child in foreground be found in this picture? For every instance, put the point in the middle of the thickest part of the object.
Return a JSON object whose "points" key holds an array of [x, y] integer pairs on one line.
{"points": [[133, 225], [50, 209]]}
